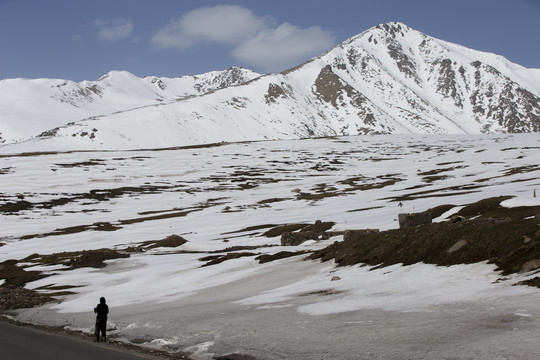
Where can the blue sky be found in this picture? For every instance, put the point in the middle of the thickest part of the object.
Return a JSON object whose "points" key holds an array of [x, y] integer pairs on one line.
{"points": [[82, 40]]}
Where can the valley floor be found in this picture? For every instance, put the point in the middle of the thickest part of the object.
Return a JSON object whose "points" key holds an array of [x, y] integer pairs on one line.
{"points": [[172, 239]]}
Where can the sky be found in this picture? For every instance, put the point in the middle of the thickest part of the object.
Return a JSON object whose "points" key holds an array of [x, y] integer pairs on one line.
{"points": [[83, 40]]}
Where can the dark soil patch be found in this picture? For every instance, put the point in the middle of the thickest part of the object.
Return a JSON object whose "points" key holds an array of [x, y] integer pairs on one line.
{"points": [[75, 260], [272, 200], [6, 170], [318, 227], [531, 282], [278, 230], [365, 209], [157, 217], [433, 178], [318, 195], [361, 183], [17, 206], [240, 248], [251, 228], [521, 170], [15, 276], [354, 184], [438, 171], [497, 235], [279, 255], [324, 292], [92, 162], [100, 226], [96, 195], [13, 295], [439, 210], [483, 206], [218, 259], [106, 226], [442, 192], [170, 241]]}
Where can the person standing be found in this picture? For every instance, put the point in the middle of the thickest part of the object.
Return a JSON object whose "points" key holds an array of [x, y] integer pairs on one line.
{"points": [[101, 311]]}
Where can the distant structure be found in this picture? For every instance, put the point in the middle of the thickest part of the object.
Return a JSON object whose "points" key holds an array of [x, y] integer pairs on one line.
{"points": [[414, 219]]}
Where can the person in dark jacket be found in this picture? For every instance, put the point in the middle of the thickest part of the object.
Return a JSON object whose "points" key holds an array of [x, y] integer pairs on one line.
{"points": [[101, 319]]}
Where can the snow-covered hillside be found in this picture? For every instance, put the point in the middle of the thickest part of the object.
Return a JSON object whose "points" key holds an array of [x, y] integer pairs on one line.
{"points": [[390, 79], [30, 107]]}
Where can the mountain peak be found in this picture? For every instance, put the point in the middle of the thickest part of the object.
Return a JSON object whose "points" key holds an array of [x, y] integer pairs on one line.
{"points": [[117, 74], [390, 79]]}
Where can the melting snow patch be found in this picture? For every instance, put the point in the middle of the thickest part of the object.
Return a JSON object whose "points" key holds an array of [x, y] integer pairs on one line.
{"points": [[417, 287]]}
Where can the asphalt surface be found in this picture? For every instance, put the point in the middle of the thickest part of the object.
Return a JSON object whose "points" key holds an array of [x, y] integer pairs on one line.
{"points": [[22, 343]]}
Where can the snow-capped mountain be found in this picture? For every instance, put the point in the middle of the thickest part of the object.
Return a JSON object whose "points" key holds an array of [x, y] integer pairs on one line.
{"points": [[389, 79], [30, 107]]}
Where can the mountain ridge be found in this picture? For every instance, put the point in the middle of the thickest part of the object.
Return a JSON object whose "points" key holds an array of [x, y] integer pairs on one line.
{"points": [[115, 91], [388, 79]]}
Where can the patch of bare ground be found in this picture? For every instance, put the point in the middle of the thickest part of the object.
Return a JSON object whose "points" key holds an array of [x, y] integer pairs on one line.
{"points": [[365, 209], [101, 226], [16, 298], [514, 171], [279, 255], [439, 210], [272, 200], [80, 259], [439, 192], [106, 226], [318, 227], [507, 237], [91, 162], [441, 170], [217, 259], [94, 195], [171, 241], [353, 184], [15, 274], [251, 228]]}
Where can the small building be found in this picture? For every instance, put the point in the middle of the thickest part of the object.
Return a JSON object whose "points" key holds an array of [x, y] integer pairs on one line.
{"points": [[414, 219]]}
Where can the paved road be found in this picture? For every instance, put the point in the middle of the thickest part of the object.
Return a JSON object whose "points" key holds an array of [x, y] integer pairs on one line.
{"points": [[22, 343]]}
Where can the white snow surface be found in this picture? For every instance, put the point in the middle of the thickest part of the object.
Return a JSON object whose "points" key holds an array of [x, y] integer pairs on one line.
{"points": [[229, 195], [29, 107]]}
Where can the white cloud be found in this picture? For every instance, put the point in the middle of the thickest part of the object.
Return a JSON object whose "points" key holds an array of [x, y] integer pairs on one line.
{"points": [[256, 40], [228, 24], [113, 29], [276, 49]]}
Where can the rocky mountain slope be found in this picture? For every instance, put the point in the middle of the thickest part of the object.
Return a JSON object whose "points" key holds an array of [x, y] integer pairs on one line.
{"points": [[389, 79]]}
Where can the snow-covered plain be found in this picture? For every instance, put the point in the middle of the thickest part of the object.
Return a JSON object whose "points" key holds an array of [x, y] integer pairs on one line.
{"points": [[223, 196]]}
